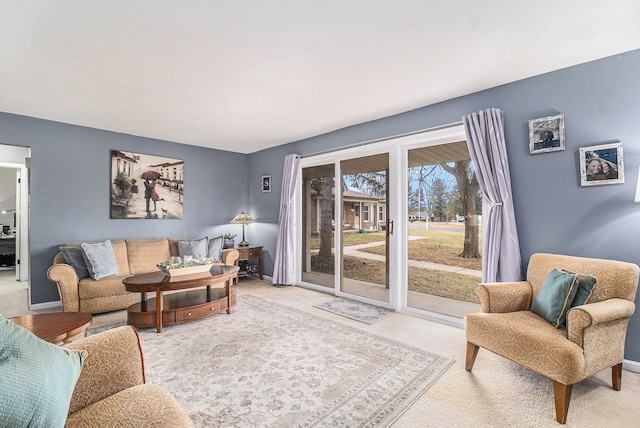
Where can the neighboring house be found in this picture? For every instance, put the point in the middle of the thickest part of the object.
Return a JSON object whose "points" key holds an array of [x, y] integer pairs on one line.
{"points": [[172, 175], [359, 210], [123, 164]]}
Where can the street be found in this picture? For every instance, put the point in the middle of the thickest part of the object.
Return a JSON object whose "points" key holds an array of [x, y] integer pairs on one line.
{"points": [[444, 227], [168, 206]]}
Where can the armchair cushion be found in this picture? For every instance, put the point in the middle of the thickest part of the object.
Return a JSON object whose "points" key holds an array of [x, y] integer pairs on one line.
{"points": [[555, 297], [585, 290], [37, 378]]}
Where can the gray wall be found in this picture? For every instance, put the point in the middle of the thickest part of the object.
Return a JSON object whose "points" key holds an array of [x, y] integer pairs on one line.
{"points": [[553, 212], [70, 173], [70, 189]]}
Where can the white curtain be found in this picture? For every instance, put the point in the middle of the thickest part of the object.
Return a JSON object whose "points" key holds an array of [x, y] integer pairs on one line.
{"points": [[283, 268], [500, 246]]}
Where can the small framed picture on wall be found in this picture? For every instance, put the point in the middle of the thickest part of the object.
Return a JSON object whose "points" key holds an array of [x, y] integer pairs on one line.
{"points": [[266, 183], [546, 134], [603, 164]]}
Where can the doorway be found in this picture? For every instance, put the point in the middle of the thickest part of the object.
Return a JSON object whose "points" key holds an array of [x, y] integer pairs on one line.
{"points": [[349, 223], [14, 218]]}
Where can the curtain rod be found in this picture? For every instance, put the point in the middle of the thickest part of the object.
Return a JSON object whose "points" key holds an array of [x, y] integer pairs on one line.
{"points": [[378, 140]]}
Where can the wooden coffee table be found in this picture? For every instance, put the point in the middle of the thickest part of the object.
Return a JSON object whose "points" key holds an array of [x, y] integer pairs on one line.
{"points": [[58, 328], [180, 307]]}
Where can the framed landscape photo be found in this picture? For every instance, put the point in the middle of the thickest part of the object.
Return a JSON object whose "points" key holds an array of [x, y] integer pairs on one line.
{"points": [[546, 134], [603, 164], [266, 183]]}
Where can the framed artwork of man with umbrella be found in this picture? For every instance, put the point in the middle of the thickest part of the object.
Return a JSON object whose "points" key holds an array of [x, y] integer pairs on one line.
{"points": [[162, 191]]}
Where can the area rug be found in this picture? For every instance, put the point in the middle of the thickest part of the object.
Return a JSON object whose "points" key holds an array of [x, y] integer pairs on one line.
{"points": [[270, 365], [358, 311]]}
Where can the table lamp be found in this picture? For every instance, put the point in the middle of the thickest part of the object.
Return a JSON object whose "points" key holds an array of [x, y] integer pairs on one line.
{"points": [[243, 218]]}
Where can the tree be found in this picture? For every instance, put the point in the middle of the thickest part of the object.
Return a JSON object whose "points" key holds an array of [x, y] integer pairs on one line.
{"points": [[469, 189], [438, 198], [369, 183], [421, 197], [323, 188], [455, 201], [122, 182]]}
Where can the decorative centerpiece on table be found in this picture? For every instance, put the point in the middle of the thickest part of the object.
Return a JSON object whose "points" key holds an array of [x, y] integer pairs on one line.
{"points": [[185, 265]]}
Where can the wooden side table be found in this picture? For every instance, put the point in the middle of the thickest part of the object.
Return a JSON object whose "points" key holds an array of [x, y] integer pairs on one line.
{"points": [[250, 253], [58, 327]]}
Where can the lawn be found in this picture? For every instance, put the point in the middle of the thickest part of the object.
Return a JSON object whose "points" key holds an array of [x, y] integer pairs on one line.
{"points": [[436, 247]]}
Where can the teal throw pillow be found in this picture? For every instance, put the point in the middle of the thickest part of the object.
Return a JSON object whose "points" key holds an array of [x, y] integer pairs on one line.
{"points": [[215, 249], [194, 247], [555, 297], [73, 256], [100, 259], [586, 284], [37, 378]]}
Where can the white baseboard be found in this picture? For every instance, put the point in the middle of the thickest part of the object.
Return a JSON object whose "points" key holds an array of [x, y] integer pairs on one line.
{"points": [[45, 305], [632, 366]]}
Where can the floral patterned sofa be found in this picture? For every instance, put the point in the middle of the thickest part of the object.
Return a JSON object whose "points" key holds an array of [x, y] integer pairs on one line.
{"points": [[133, 256]]}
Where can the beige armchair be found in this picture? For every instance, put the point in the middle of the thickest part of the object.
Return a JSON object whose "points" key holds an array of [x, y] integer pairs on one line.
{"points": [[112, 389], [592, 340]]}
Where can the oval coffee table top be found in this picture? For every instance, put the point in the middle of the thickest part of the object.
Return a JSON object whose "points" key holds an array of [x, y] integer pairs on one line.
{"points": [[150, 281]]}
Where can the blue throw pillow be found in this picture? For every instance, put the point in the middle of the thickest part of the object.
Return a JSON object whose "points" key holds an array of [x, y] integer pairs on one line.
{"points": [[37, 378], [73, 256], [555, 297], [194, 247], [100, 259], [215, 249], [586, 284]]}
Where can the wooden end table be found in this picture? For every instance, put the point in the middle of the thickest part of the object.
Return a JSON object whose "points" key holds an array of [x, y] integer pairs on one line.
{"points": [[180, 307], [250, 253], [58, 328]]}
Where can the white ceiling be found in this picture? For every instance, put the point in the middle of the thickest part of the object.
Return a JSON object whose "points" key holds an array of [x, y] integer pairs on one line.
{"points": [[244, 75]]}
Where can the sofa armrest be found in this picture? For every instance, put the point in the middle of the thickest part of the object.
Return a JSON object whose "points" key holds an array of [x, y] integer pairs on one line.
{"points": [[115, 363], [503, 297], [586, 319], [66, 279], [229, 256]]}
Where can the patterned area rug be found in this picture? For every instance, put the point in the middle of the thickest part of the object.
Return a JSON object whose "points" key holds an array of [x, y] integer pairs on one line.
{"points": [[358, 311], [270, 365]]}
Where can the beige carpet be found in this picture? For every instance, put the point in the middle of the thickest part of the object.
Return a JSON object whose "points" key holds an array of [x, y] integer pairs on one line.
{"points": [[497, 393]]}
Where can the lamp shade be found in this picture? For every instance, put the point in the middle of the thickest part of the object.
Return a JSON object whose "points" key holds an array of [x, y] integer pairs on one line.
{"points": [[242, 218]]}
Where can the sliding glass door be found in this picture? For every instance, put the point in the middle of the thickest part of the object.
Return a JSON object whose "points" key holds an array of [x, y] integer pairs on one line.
{"points": [[318, 225], [364, 194], [350, 199], [443, 231]]}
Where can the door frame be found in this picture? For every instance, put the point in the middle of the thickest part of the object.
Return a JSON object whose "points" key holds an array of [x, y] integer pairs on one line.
{"points": [[397, 210]]}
